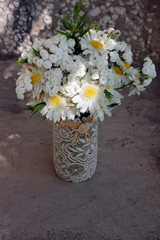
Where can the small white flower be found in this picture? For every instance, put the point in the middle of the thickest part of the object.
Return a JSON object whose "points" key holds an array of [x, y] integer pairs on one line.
{"points": [[39, 63], [53, 58], [71, 43], [121, 46], [53, 81], [149, 68], [47, 64], [128, 55], [63, 46], [44, 54], [24, 55], [147, 82], [63, 38], [56, 39], [48, 43], [30, 57], [95, 74], [114, 56], [110, 44], [53, 49]]}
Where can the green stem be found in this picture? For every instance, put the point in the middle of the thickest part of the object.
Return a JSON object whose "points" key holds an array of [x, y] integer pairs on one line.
{"points": [[117, 89]]}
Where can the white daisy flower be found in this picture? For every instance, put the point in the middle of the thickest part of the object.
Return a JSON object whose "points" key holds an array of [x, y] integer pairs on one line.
{"points": [[90, 99], [37, 80], [91, 43], [119, 77], [137, 90], [55, 108]]}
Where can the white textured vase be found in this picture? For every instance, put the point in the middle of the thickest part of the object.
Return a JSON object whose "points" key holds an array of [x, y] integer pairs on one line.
{"points": [[75, 162]]}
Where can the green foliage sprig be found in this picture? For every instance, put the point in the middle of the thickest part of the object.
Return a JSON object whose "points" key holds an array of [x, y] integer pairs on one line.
{"points": [[76, 27]]}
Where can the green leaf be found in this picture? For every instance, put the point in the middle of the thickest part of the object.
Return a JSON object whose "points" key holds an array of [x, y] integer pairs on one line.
{"points": [[20, 62], [113, 105], [81, 20], [87, 29], [97, 27], [77, 8], [29, 108], [36, 52], [67, 34], [43, 118], [35, 108], [65, 25], [38, 107], [70, 24], [108, 94]]}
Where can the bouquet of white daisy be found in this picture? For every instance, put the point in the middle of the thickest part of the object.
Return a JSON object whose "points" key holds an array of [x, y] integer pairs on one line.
{"points": [[79, 72]]}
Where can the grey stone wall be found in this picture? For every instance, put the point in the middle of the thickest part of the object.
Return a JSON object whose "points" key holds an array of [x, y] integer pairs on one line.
{"points": [[22, 21]]}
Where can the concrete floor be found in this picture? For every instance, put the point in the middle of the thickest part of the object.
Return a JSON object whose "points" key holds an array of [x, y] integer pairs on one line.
{"points": [[120, 202]]}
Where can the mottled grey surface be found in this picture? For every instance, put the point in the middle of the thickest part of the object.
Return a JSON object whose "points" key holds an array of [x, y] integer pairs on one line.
{"points": [[22, 21], [121, 201]]}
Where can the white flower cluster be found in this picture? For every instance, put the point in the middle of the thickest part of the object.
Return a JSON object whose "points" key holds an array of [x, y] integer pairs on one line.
{"points": [[72, 83]]}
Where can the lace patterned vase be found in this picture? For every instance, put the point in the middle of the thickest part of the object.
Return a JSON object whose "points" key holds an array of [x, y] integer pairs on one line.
{"points": [[75, 162]]}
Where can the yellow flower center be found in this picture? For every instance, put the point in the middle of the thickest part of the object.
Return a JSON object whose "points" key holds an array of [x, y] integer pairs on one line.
{"points": [[96, 44], [109, 88], [127, 65], [56, 101], [36, 77], [137, 77], [90, 92], [119, 71], [29, 69], [101, 106]]}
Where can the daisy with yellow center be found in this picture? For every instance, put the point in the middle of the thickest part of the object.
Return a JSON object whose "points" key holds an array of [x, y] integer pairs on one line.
{"points": [[55, 102], [55, 108], [92, 43], [91, 98], [90, 92], [37, 80]]}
